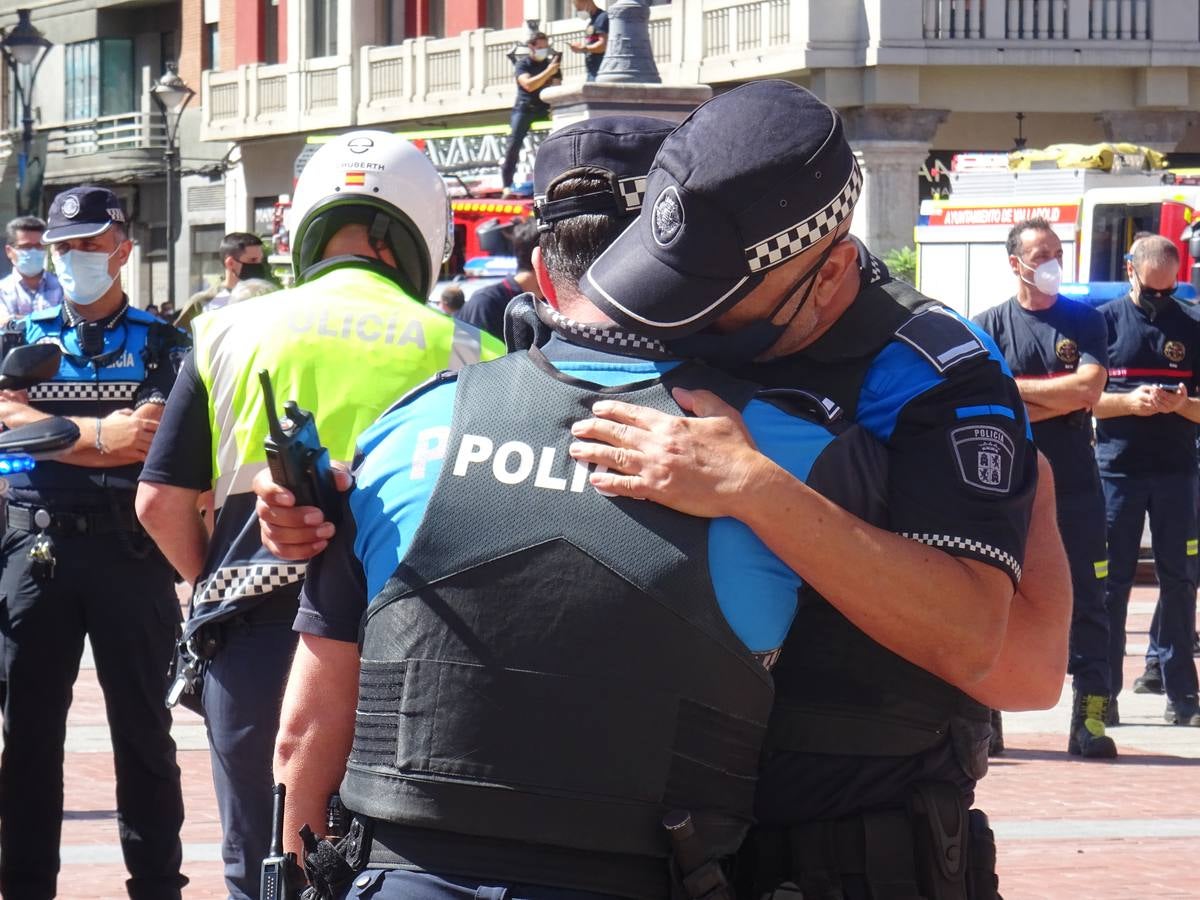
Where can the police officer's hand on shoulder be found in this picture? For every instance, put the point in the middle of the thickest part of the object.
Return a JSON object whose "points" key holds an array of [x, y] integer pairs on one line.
{"points": [[290, 531]]}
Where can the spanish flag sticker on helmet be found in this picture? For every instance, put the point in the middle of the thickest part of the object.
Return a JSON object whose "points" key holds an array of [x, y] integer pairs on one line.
{"points": [[356, 179]]}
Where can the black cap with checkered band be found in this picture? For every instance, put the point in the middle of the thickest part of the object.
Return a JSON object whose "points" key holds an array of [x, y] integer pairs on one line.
{"points": [[617, 149], [83, 212], [750, 179]]}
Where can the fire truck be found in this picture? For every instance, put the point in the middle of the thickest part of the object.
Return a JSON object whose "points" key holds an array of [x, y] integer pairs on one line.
{"points": [[961, 257], [468, 159]]}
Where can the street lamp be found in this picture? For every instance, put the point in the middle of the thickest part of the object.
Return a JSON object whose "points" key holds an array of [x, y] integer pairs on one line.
{"points": [[24, 46], [172, 95]]}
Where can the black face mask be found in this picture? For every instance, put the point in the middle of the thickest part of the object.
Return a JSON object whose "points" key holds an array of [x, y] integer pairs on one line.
{"points": [[1153, 301], [747, 344], [253, 270]]}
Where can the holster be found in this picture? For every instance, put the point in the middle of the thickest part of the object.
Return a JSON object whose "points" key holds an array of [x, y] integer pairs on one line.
{"points": [[330, 866], [695, 873], [939, 818], [934, 849]]}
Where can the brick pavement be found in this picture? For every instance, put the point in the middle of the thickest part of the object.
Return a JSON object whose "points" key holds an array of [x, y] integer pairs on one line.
{"points": [[1107, 831]]}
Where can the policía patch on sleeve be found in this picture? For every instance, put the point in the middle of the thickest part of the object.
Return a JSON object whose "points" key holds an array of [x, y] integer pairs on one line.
{"points": [[985, 455]]}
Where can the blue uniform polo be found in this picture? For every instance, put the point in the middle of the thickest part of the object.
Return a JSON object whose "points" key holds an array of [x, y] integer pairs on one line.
{"points": [[400, 465]]}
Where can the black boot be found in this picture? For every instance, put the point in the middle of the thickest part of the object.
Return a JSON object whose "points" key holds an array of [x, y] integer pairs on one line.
{"points": [[1150, 681], [1113, 717], [1087, 737], [996, 744]]}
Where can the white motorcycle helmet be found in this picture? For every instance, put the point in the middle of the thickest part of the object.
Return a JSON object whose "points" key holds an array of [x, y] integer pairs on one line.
{"points": [[382, 181]]}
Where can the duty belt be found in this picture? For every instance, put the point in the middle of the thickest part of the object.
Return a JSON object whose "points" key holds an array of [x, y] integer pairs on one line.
{"points": [[388, 845], [37, 519]]}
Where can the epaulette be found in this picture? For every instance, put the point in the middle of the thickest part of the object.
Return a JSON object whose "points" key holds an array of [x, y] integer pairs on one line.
{"points": [[942, 338], [443, 377], [803, 404]]}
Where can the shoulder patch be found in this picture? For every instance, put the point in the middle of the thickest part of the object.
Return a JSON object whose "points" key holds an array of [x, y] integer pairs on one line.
{"points": [[985, 454], [50, 312], [942, 338]]}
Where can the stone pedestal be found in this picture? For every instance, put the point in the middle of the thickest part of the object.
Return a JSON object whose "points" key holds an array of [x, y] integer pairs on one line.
{"points": [[892, 146], [574, 103], [1158, 129]]}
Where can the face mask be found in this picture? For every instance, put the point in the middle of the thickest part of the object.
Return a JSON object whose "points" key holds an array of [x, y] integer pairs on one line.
{"points": [[84, 276], [1047, 277], [1152, 301], [748, 344], [540, 53], [583, 14], [31, 262], [252, 270]]}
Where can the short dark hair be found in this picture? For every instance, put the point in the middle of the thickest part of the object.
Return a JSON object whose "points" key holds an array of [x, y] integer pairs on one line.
{"points": [[236, 241], [524, 239], [538, 36], [1013, 244], [23, 223], [574, 244]]}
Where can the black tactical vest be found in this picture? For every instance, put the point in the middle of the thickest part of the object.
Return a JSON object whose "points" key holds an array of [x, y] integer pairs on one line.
{"points": [[838, 692], [550, 666]]}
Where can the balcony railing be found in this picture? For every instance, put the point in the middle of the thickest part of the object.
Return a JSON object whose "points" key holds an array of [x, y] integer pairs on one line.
{"points": [[707, 41], [1037, 20], [129, 131]]}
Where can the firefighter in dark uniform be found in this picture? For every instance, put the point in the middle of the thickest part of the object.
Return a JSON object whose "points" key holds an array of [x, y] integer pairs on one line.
{"points": [[1058, 350], [876, 743], [1146, 448], [619, 653], [76, 565]]}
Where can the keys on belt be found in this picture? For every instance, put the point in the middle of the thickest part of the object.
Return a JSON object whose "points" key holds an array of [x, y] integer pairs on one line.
{"points": [[41, 554]]}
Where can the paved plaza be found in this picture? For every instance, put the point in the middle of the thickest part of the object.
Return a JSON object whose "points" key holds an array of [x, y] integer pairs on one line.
{"points": [[1105, 831]]}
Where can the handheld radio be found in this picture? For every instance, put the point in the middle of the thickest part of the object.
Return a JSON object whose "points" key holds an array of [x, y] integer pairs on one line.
{"points": [[295, 456]]}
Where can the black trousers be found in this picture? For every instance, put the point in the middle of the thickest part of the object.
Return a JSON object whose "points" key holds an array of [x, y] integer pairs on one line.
{"points": [[127, 608]]}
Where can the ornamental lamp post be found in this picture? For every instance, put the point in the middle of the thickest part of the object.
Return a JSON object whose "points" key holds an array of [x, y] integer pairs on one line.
{"points": [[24, 49], [172, 95]]}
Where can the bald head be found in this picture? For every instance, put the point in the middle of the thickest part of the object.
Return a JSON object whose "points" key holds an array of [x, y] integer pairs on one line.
{"points": [[1155, 261]]}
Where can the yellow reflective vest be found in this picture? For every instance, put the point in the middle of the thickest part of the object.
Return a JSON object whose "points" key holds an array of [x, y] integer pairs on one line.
{"points": [[344, 346]]}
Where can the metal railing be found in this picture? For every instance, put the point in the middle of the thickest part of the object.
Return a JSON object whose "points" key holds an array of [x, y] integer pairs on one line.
{"points": [[129, 131], [223, 100], [443, 71], [386, 79], [321, 88]]}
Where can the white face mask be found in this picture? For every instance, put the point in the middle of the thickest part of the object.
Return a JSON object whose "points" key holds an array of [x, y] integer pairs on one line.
{"points": [[540, 53], [583, 14], [84, 276], [1047, 277]]}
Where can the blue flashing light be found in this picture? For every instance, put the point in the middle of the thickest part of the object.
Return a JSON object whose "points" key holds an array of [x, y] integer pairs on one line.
{"points": [[14, 463]]}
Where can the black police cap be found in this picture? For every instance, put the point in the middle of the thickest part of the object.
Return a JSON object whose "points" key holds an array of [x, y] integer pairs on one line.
{"points": [[619, 149], [83, 212], [749, 180]]}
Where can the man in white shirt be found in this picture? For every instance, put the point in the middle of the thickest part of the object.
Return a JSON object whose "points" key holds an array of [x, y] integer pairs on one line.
{"points": [[28, 287]]}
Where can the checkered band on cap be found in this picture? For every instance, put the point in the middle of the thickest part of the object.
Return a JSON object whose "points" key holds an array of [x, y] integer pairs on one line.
{"points": [[801, 236], [633, 192]]}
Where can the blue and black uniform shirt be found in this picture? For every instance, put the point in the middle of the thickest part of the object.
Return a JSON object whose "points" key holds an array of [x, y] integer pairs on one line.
{"points": [[1158, 351], [1051, 343], [401, 457], [123, 361], [936, 391]]}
